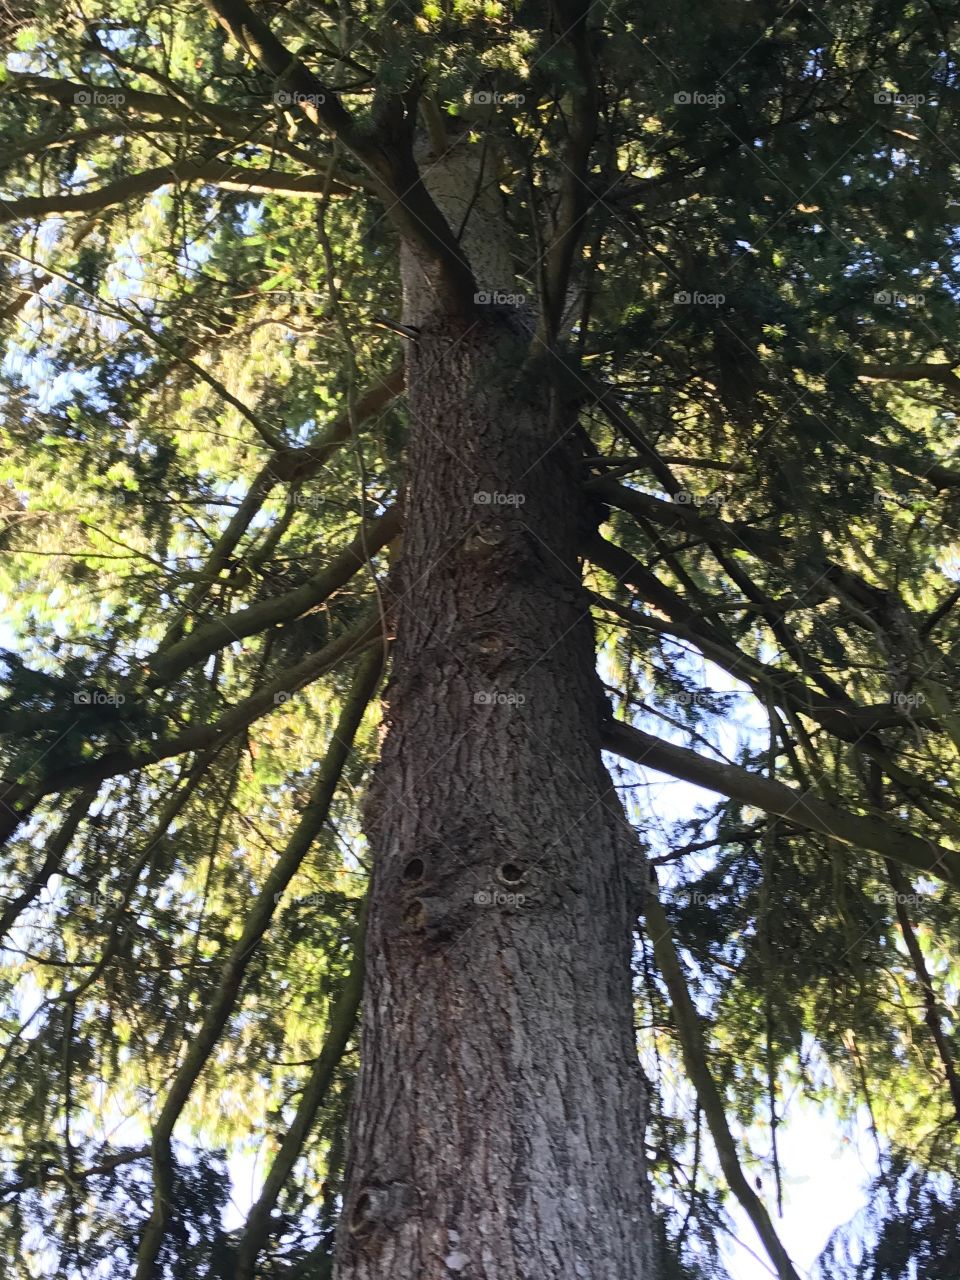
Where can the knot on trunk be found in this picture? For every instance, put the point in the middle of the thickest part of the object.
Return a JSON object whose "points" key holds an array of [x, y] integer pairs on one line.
{"points": [[487, 539], [433, 918], [380, 1206], [488, 648]]}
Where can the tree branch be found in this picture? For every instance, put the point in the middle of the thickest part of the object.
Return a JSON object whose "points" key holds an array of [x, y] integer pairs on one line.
{"points": [[572, 18], [292, 465], [57, 846], [844, 718], [342, 1021], [932, 1012], [66, 92], [217, 173], [218, 632], [221, 1003], [875, 835], [407, 202], [941, 373], [693, 1046], [18, 798]]}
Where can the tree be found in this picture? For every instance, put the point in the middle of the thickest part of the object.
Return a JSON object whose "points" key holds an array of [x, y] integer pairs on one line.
{"points": [[554, 373]]}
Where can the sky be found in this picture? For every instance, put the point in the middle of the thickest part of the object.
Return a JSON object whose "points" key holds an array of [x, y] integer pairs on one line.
{"points": [[824, 1179]]}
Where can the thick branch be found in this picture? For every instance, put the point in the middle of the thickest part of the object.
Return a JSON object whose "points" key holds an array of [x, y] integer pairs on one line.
{"points": [[572, 17], [57, 846], [290, 465], [407, 203], [343, 1020], [18, 799], [874, 835], [846, 719], [107, 1164], [941, 373], [610, 406], [218, 173], [218, 632], [932, 1012], [69, 93]]}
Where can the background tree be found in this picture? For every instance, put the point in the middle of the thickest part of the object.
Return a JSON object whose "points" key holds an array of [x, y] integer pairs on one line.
{"points": [[590, 369]]}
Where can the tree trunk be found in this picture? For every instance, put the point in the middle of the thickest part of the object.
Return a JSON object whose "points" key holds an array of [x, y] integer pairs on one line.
{"points": [[499, 1121]]}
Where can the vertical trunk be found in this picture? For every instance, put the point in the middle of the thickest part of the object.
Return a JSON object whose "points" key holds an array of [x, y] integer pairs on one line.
{"points": [[499, 1120], [498, 1129]]}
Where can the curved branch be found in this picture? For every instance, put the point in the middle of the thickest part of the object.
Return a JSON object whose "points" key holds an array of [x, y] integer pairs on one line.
{"points": [[18, 799], [933, 1014], [69, 93], [291, 465], [941, 373], [694, 1050], [343, 1020], [572, 17], [846, 719], [407, 202], [57, 846], [106, 1164]]}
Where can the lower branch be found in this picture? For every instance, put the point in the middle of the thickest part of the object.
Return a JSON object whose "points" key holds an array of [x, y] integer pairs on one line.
{"points": [[343, 1021], [224, 999], [690, 1032], [932, 1013]]}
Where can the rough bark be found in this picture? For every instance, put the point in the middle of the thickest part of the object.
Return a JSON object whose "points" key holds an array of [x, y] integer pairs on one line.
{"points": [[498, 1128]]}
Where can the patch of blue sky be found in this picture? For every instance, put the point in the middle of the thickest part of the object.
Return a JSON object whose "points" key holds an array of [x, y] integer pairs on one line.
{"points": [[826, 1168], [48, 388]]}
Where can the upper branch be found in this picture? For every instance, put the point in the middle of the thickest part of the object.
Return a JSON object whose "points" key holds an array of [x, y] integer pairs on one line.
{"points": [[572, 17], [218, 173], [388, 161]]}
